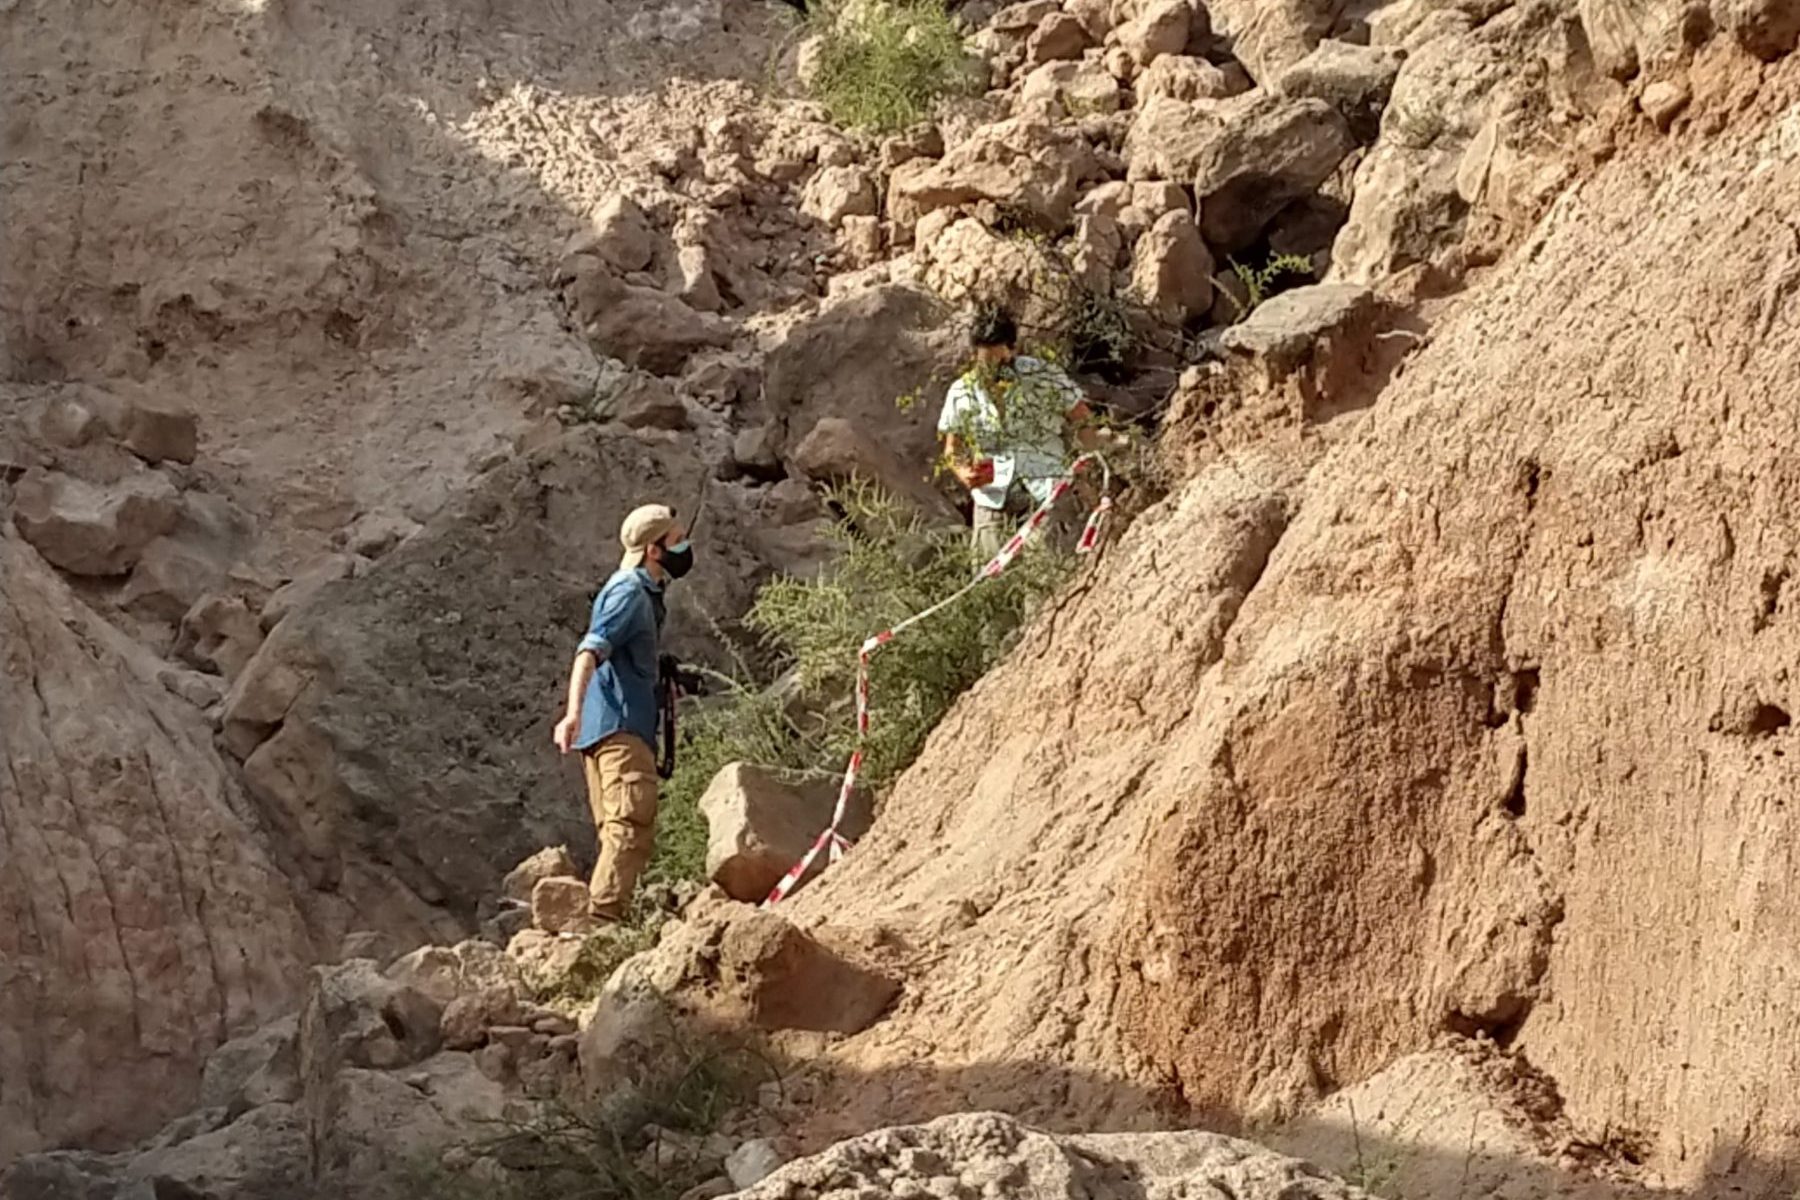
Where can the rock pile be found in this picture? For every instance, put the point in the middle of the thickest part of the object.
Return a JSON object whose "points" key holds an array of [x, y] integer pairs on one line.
{"points": [[974, 1155]]}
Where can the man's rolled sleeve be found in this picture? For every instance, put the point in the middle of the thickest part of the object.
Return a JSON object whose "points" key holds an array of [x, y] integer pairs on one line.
{"points": [[609, 624]]}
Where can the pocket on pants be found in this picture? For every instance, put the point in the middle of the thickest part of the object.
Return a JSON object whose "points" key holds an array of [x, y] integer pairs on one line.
{"points": [[637, 796]]}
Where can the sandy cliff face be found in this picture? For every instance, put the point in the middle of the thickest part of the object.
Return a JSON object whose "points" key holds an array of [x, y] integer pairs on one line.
{"points": [[1480, 724]]}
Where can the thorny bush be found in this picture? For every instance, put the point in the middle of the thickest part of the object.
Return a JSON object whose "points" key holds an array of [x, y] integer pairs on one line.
{"points": [[882, 65]]}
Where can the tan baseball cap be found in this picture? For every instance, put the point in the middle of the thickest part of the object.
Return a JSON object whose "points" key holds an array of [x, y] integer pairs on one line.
{"points": [[643, 526]]}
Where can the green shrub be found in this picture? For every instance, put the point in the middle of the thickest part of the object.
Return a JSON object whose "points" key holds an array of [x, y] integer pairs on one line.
{"points": [[882, 65], [890, 565]]}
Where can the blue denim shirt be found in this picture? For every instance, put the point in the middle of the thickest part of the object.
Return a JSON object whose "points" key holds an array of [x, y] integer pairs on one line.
{"points": [[624, 631]]}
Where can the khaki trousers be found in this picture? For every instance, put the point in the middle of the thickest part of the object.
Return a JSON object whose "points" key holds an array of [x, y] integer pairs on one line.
{"points": [[621, 784]]}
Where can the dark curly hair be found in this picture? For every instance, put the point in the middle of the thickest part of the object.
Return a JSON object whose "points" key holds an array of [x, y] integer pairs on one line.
{"points": [[993, 327]]}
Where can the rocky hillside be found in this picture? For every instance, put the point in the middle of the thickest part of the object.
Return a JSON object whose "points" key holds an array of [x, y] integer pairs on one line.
{"points": [[1419, 753]]}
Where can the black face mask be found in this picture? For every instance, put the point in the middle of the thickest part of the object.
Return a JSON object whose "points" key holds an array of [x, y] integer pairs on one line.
{"points": [[677, 560]]}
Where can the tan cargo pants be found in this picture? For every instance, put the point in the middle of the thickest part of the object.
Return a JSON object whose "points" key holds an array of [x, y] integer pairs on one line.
{"points": [[621, 784]]}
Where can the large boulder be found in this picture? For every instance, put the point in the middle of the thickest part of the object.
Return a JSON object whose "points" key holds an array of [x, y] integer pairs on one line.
{"points": [[1355, 80], [1171, 270], [971, 265], [1407, 205], [356, 1016], [857, 358], [1059, 35], [996, 1152], [547, 863], [94, 529], [641, 326], [1269, 36], [1157, 28], [260, 1067], [1026, 167], [145, 918], [1247, 156], [836, 451], [733, 969], [758, 827]]}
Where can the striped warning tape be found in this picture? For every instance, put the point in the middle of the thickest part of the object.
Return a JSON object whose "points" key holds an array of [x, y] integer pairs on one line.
{"points": [[832, 843]]}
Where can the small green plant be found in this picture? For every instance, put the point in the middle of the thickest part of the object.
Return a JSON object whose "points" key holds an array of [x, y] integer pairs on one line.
{"points": [[1259, 283], [882, 65], [890, 565]]}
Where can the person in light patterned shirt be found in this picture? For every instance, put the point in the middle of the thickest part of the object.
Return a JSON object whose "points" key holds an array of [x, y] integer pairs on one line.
{"points": [[1005, 427]]}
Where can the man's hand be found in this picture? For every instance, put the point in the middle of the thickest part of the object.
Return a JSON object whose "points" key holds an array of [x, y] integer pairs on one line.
{"points": [[566, 731]]}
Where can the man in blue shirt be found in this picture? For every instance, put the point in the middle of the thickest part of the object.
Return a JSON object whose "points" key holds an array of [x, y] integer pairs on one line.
{"points": [[612, 709]]}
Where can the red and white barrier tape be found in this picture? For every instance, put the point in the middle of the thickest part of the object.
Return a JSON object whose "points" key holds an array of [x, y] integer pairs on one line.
{"points": [[831, 842]]}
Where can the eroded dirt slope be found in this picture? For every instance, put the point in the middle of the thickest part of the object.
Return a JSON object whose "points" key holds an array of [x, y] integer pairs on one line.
{"points": [[1497, 741]]}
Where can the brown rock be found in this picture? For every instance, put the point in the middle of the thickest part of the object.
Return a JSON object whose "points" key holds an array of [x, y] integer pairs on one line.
{"points": [[1096, 16], [1029, 167], [969, 264], [265, 689], [87, 529], [641, 326], [1069, 89], [1663, 101], [1769, 29], [1286, 327], [1095, 249], [619, 234], [299, 591], [923, 141], [835, 450], [1058, 36], [1178, 77], [354, 1016], [835, 193], [560, 904], [1160, 27], [1107, 200], [65, 421], [219, 633], [542, 955], [494, 1061], [1268, 36], [862, 241], [373, 534], [1442, 122], [854, 358], [1171, 270], [202, 691], [1248, 156], [758, 828], [1355, 80], [696, 279], [158, 434], [170, 577], [743, 966], [646, 402], [464, 1025], [550, 862]]}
